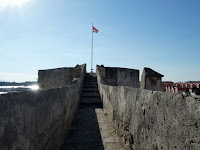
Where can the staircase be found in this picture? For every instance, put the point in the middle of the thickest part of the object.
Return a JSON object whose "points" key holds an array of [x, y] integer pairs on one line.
{"points": [[90, 129], [90, 93]]}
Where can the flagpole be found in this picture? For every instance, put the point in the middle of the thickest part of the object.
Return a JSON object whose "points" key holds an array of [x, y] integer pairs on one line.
{"points": [[92, 50]]}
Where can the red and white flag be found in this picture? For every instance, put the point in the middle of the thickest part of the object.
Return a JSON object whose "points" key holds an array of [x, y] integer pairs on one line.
{"points": [[95, 30]]}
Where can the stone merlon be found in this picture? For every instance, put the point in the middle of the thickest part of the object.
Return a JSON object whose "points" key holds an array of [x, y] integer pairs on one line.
{"points": [[151, 80]]}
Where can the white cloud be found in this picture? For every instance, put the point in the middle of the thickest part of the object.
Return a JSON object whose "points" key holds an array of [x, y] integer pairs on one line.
{"points": [[4, 4]]}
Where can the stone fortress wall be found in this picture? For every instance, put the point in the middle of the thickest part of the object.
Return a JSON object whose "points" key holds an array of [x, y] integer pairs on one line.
{"points": [[119, 76], [151, 80], [143, 119], [39, 120], [150, 120], [59, 77]]}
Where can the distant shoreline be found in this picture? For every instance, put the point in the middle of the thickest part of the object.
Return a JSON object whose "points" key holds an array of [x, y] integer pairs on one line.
{"points": [[26, 83]]}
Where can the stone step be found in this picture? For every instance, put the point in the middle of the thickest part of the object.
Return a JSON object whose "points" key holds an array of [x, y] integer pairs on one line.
{"points": [[91, 74], [90, 90], [89, 86], [85, 82], [90, 94], [90, 80], [90, 77], [95, 79], [90, 101], [89, 83]]}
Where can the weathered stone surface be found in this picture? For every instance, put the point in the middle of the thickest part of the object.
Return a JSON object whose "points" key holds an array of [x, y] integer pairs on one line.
{"points": [[91, 129], [59, 77], [151, 80], [38, 120], [119, 76], [152, 120]]}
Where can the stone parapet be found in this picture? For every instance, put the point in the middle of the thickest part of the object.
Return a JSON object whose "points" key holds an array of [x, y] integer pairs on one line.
{"points": [[58, 77], [149, 120], [38, 120], [119, 76]]}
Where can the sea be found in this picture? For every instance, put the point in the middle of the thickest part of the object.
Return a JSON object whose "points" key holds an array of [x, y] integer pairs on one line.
{"points": [[9, 89]]}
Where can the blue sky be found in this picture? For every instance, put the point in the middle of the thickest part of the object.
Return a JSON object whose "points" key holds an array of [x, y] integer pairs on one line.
{"points": [[162, 35]]}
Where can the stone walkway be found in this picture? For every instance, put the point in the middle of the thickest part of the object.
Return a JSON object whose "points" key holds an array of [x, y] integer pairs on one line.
{"points": [[91, 129], [109, 138]]}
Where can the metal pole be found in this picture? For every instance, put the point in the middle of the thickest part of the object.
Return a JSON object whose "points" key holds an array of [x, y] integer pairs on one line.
{"points": [[92, 50]]}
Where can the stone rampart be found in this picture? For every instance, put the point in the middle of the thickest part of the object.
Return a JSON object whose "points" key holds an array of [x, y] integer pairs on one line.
{"points": [[119, 76], [38, 120], [152, 120], [58, 77], [151, 80]]}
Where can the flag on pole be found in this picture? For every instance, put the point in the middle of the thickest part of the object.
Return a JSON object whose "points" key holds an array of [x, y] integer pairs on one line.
{"points": [[95, 30]]}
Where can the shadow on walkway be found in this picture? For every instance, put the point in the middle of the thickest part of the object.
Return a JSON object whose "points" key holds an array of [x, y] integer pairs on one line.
{"points": [[91, 129], [84, 133]]}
